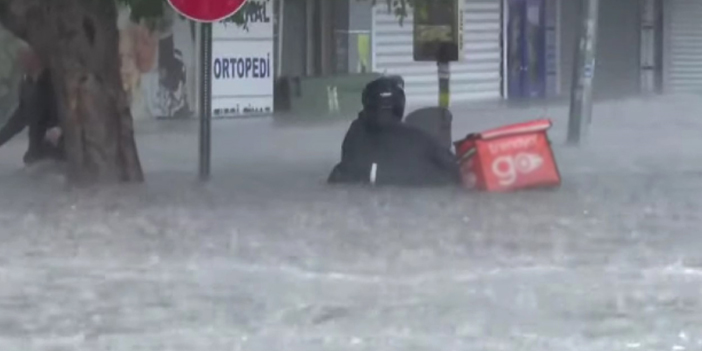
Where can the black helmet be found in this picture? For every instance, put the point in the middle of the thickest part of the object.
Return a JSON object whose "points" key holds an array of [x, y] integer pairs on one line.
{"points": [[385, 94], [398, 80]]}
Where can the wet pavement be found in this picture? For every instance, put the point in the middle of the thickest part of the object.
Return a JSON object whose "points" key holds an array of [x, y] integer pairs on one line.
{"points": [[267, 257]]}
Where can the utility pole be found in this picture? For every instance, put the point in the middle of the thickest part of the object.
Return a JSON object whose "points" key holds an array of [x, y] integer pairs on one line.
{"points": [[580, 115]]}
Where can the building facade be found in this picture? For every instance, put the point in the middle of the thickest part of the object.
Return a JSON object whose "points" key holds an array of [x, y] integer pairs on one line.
{"points": [[626, 62], [322, 37], [525, 49], [513, 49], [477, 77]]}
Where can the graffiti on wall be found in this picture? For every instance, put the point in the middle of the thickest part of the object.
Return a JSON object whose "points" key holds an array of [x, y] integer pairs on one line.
{"points": [[158, 66]]}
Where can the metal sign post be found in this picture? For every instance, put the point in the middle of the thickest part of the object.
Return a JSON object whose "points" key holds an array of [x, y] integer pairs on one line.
{"points": [[444, 72], [580, 114], [438, 37], [205, 101], [206, 12]]}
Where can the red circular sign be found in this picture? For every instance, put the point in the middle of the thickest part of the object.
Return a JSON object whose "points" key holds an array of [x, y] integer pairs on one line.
{"points": [[207, 10]]}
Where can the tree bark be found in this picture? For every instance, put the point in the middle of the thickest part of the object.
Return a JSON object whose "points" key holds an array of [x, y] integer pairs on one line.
{"points": [[78, 39]]}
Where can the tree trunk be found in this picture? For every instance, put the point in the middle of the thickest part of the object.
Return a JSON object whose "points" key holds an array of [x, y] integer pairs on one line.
{"points": [[78, 39]]}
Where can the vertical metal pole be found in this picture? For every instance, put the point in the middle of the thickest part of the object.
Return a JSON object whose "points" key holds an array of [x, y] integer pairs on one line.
{"points": [[198, 63], [583, 73], [281, 24], [658, 46], [205, 101], [444, 72]]}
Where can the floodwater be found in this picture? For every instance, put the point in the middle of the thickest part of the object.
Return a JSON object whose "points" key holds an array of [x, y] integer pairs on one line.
{"points": [[267, 257]]}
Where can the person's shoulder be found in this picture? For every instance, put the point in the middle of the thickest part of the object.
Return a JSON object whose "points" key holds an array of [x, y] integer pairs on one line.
{"points": [[356, 123], [419, 137], [413, 131], [357, 126]]}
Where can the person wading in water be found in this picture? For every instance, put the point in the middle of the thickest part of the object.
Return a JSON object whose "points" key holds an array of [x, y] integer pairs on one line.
{"points": [[37, 111]]}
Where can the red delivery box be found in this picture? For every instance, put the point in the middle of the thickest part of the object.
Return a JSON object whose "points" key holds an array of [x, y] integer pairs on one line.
{"points": [[513, 157]]}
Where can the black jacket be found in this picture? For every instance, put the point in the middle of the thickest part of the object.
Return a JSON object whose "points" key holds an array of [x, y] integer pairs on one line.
{"points": [[37, 111], [404, 155]]}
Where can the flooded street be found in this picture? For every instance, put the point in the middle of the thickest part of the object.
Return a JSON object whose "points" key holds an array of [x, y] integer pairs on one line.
{"points": [[267, 257]]}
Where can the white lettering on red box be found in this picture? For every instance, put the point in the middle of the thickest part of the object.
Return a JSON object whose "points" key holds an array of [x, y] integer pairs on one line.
{"points": [[508, 167], [512, 144]]}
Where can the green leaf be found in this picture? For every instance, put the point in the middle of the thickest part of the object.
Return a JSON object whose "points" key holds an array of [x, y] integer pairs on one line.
{"points": [[400, 8], [151, 10]]}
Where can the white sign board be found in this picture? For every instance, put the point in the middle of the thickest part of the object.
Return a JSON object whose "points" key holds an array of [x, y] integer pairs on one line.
{"points": [[243, 63]]}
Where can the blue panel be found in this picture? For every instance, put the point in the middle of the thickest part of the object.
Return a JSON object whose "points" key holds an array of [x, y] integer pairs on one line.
{"points": [[527, 62], [551, 49], [515, 50]]}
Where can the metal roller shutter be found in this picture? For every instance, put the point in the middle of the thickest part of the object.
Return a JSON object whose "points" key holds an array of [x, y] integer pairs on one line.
{"points": [[478, 77], [683, 45]]}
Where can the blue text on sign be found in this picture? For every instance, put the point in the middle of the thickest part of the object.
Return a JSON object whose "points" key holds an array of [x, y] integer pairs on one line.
{"points": [[242, 67]]}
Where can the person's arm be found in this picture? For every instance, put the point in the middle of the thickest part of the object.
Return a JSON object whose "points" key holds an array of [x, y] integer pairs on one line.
{"points": [[54, 133], [445, 160], [50, 98], [13, 126], [352, 154], [353, 136]]}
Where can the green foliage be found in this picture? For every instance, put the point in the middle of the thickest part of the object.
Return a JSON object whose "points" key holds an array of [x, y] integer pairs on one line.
{"points": [[144, 9], [399, 7], [153, 9]]}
